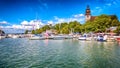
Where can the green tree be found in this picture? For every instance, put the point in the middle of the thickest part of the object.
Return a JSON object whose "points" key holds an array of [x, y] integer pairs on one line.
{"points": [[74, 26], [46, 27], [33, 31], [38, 31], [26, 31], [117, 30], [101, 23], [65, 30]]}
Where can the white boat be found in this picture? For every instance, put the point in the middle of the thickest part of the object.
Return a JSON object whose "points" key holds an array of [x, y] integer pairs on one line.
{"points": [[15, 36], [58, 37], [85, 37], [102, 38], [82, 38], [89, 38], [1, 37], [110, 39], [34, 37], [68, 37]]}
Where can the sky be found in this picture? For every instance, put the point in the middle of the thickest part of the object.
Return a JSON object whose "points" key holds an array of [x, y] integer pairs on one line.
{"points": [[15, 12]]}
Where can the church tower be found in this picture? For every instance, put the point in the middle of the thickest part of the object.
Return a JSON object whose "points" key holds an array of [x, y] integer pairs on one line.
{"points": [[87, 14]]}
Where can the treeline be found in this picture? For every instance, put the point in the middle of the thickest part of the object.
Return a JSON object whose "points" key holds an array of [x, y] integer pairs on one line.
{"points": [[100, 24], [2, 32]]}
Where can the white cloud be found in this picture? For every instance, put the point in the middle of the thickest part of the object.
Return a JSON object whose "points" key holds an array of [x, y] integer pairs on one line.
{"points": [[32, 22], [29, 24], [8, 27], [24, 22], [17, 26], [56, 18], [114, 3], [78, 15], [14, 26], [50, 22], [4, 22]]}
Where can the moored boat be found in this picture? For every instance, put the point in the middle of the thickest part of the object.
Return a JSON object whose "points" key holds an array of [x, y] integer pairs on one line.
{"points": [[15, 36], [82, 38], [118, 39], [68, 37], [1, 37], [58, 37], [102, 38], [36, 37], [110, 39]]}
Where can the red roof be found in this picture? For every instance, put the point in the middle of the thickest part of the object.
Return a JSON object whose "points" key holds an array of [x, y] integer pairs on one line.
{"points": [[92, 18]]}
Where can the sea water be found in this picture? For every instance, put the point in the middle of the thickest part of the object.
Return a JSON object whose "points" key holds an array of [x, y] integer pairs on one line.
{"points": [[25, 53]]}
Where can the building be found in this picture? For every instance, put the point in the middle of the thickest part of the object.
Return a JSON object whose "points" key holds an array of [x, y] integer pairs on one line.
{"points": [[88, 16]]}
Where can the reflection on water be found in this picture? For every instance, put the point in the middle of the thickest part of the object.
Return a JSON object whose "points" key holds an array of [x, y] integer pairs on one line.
{"points": [[24, 53], [101, 55]]}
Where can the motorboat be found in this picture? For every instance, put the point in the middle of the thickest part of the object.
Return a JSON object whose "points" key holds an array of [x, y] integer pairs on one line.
{"points": [[118, 39], [58, 37], [102, 38], [110, 39], [1, 37], [85, 37], [36, 37], [15, 36], [82, 38], [69, 37]]}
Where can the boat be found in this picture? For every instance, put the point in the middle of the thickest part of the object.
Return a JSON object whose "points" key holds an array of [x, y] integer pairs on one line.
{"points": [[58, 37], [15, 36], [110, 39], [68, 37], [1, 37], [82, 38], [36, 37], [118, 39], [102, 38], [89, 38], [85, 37]]}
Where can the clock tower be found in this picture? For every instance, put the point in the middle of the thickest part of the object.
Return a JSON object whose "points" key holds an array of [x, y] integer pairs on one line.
{"points": [[87, 14]]}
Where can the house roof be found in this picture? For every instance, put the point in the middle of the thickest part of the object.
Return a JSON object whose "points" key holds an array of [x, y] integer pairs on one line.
{"points": [[92, 18]]}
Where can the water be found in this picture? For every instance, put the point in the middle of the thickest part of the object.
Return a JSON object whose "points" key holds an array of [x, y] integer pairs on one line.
{"points": [[24, 53]]}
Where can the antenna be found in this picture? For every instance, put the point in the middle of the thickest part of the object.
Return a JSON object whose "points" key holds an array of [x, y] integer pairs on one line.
{"points": [[36, 15]]}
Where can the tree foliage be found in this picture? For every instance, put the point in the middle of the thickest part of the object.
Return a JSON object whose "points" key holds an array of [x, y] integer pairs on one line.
{"points": [[100, 24], [2, 32], [26, 31], [33, 32]]}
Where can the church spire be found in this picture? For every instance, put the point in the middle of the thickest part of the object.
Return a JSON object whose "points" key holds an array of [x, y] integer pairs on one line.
{"points": [[88, 13], [88, 7]]}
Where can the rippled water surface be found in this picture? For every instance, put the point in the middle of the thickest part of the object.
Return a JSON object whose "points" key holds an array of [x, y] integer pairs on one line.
{"points": [[25, 53]]}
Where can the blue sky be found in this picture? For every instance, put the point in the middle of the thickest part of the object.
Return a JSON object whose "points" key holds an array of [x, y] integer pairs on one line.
{"points": [[17, 11]]}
